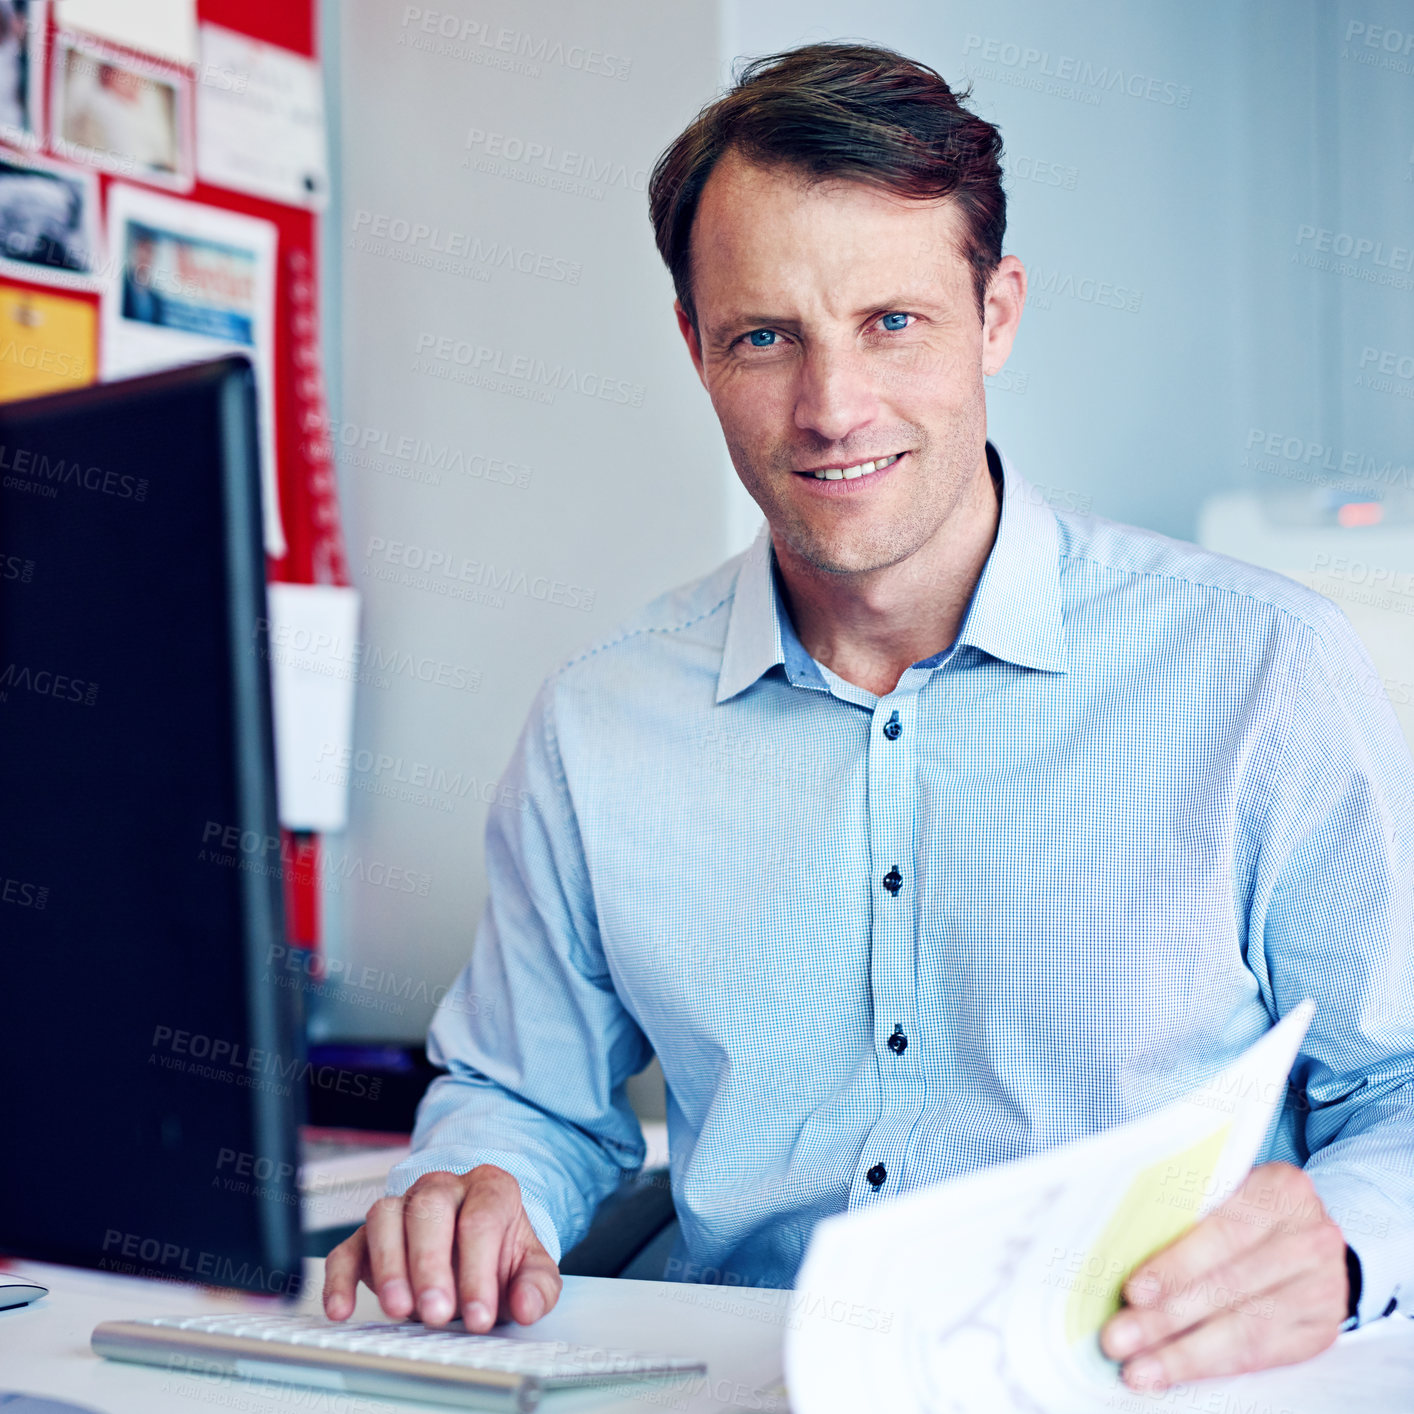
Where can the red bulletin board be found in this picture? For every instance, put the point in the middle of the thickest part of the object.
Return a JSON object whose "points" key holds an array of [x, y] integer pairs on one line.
{"points": [[303, 455], [308, 499]]}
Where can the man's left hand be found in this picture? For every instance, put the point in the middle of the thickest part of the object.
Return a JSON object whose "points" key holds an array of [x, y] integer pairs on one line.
{"points": [[1260, 1281]]}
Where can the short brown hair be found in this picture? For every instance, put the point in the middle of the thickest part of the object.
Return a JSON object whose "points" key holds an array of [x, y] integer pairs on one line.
{"points": [[839, 110]]}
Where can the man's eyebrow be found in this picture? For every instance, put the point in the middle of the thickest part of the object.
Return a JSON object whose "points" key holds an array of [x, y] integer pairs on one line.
{"points": [[902, 301], [723, 327]]}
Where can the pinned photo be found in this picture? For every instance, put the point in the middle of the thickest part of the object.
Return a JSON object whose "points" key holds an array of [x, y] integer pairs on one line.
{"points": [[120, 114], [48, 224], [192, 282], [176, 281], [22, 26]]}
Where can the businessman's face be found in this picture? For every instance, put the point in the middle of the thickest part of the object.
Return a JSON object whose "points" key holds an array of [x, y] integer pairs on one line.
{"points": [[837, 326]]}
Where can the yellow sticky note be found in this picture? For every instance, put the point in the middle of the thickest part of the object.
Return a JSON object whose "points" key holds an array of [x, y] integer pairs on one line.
{"points": [[1159, 1207], [47, 343]]}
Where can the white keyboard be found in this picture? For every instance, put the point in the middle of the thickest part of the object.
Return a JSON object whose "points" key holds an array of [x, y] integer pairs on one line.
{"points": [[400, 1361]]}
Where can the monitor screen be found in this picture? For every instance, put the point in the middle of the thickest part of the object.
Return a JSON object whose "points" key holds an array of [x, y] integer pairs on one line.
{"points": [[153, 1065]]}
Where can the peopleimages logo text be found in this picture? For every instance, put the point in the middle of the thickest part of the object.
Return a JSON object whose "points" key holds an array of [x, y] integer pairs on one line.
{"points": [[505, 579], [527, 369], [465, 36], [211, 1267], [564, 162], [1069, 68], [463, 246], [285, 639], [1356, 247], [1309, 455], [22, 462]]}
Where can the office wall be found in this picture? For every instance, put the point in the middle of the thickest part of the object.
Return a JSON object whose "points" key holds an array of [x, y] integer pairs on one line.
{"points": [[511, 397], [1327, 241]]}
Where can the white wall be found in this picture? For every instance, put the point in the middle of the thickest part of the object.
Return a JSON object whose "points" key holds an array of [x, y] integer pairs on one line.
{"points": [[624, 499]]}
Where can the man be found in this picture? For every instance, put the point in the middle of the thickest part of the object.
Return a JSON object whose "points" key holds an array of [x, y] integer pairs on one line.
{"points": [[939, 827]]}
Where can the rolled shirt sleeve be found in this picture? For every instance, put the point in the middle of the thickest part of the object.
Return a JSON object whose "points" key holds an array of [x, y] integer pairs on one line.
{"points": [[536, 1043], [1332, 918]]}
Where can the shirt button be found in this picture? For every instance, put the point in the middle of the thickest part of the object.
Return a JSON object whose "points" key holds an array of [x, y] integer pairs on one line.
{"points": [[877, 1175], [898, 1042], [893, 880], [893, 728]]}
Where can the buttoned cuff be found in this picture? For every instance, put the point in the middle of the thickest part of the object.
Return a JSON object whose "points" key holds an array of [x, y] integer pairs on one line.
{"points": [[1380, 1232], [402, 1176]]}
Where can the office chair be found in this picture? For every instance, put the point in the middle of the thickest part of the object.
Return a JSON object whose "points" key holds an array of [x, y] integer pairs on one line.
{"points": [[632, 1234]]}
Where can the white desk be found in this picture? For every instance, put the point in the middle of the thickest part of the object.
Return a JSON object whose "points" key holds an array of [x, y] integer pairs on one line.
{"points": [[44, 1350]]}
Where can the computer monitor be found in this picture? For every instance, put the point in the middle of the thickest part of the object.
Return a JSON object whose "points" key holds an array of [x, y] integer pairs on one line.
{"points": [[153, 1068]]}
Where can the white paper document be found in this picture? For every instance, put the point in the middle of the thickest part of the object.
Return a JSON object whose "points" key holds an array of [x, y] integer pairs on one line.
{"points": [[260, 120], [311, 633], [988, 1293], [165, 27]]}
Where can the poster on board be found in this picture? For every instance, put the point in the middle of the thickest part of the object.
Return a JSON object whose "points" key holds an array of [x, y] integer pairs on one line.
{"points": [[120, 114], [192, 282], [48, 223], [22, 31], [47, 343]]}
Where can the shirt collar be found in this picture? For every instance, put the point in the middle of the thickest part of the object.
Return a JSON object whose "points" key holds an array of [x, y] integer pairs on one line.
{"points": [[753, 644], [1015, 613]]}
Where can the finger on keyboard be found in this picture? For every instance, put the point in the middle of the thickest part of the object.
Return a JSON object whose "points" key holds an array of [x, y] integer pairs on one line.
{"points": [[387, 1257], [481, 1235], [343, 1268], [430, 1211]]}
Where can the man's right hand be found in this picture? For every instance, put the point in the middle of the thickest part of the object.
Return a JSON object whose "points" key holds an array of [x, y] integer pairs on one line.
{"points": [[453, 1241]]}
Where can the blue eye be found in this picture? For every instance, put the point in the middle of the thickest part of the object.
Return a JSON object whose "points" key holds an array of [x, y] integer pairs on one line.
{"points": [[762, 338], [893, 322]]}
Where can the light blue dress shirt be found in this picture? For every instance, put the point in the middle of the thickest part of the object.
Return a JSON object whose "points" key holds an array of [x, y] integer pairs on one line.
{"points": [[1149, 800]]}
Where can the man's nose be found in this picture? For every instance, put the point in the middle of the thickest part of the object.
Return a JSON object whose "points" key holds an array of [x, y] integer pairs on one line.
{"points": [[836, 395]]}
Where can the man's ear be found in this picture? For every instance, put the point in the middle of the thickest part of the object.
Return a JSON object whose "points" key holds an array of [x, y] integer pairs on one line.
{"points": [[689, 337], [1006, 297]]}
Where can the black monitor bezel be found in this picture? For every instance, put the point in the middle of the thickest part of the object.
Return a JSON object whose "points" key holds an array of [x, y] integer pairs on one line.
{"points": [[274, 1017]]}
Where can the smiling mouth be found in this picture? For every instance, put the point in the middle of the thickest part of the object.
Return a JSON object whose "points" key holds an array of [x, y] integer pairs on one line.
{"points": [[851, 473]]}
